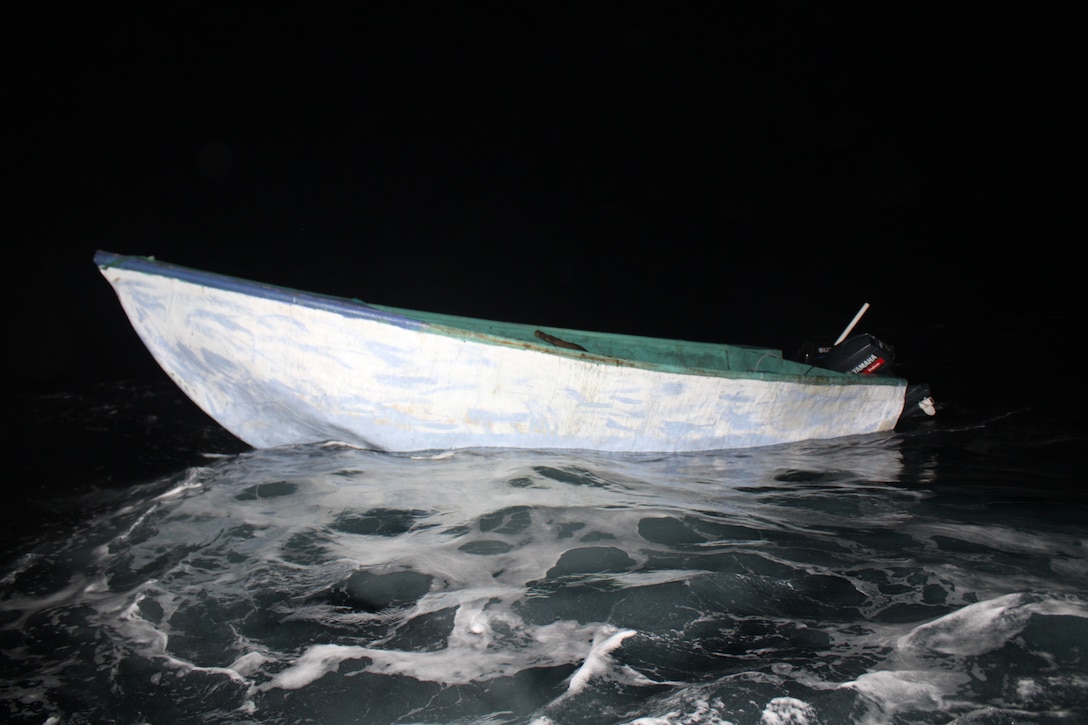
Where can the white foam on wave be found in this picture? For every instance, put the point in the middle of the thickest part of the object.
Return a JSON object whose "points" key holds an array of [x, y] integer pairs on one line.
{"points": [[1002, 538], [190, 483], [787, 711], [463, 661], [315, 663], [925, 673], [699, 707], [248, 664], [28, 605], [892, 692], [696, 711], [984, 626], [597, 663]]}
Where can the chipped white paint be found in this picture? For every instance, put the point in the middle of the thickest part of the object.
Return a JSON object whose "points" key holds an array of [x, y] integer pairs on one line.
{"points": [[277, 367]]}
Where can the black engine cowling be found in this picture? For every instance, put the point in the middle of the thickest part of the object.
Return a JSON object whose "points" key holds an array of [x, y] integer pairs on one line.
{"points": [[858, 355]]}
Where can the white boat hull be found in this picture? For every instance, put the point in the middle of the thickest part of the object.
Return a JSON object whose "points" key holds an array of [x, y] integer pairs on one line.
{"points": [[275, 372]]}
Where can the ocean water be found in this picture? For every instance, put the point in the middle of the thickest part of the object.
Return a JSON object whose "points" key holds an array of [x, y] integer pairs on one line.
{"points": [[158, 571]]}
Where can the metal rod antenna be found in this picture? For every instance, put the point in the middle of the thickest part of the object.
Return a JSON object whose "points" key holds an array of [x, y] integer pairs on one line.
{"points": [[862, 311]]}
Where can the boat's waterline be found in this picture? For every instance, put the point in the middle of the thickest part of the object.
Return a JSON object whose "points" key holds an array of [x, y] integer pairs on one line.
{"points": [[278, 367]]}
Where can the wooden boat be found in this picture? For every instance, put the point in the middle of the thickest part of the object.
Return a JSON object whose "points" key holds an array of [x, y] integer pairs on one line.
{"points": [[276, 366]]}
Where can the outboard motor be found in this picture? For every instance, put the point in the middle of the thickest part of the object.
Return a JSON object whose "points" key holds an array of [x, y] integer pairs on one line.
{"points": [[866, 355], [859, 355]]}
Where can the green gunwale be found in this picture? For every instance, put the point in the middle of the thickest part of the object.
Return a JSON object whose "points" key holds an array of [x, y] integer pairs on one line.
{"points": [[652, 353]]}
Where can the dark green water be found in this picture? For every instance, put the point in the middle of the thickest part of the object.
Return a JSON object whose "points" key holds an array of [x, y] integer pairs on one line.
{"points": [[929, 576]]}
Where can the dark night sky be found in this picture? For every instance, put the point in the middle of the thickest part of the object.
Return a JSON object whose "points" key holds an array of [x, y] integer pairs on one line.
{"points": [[745, 174]]}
